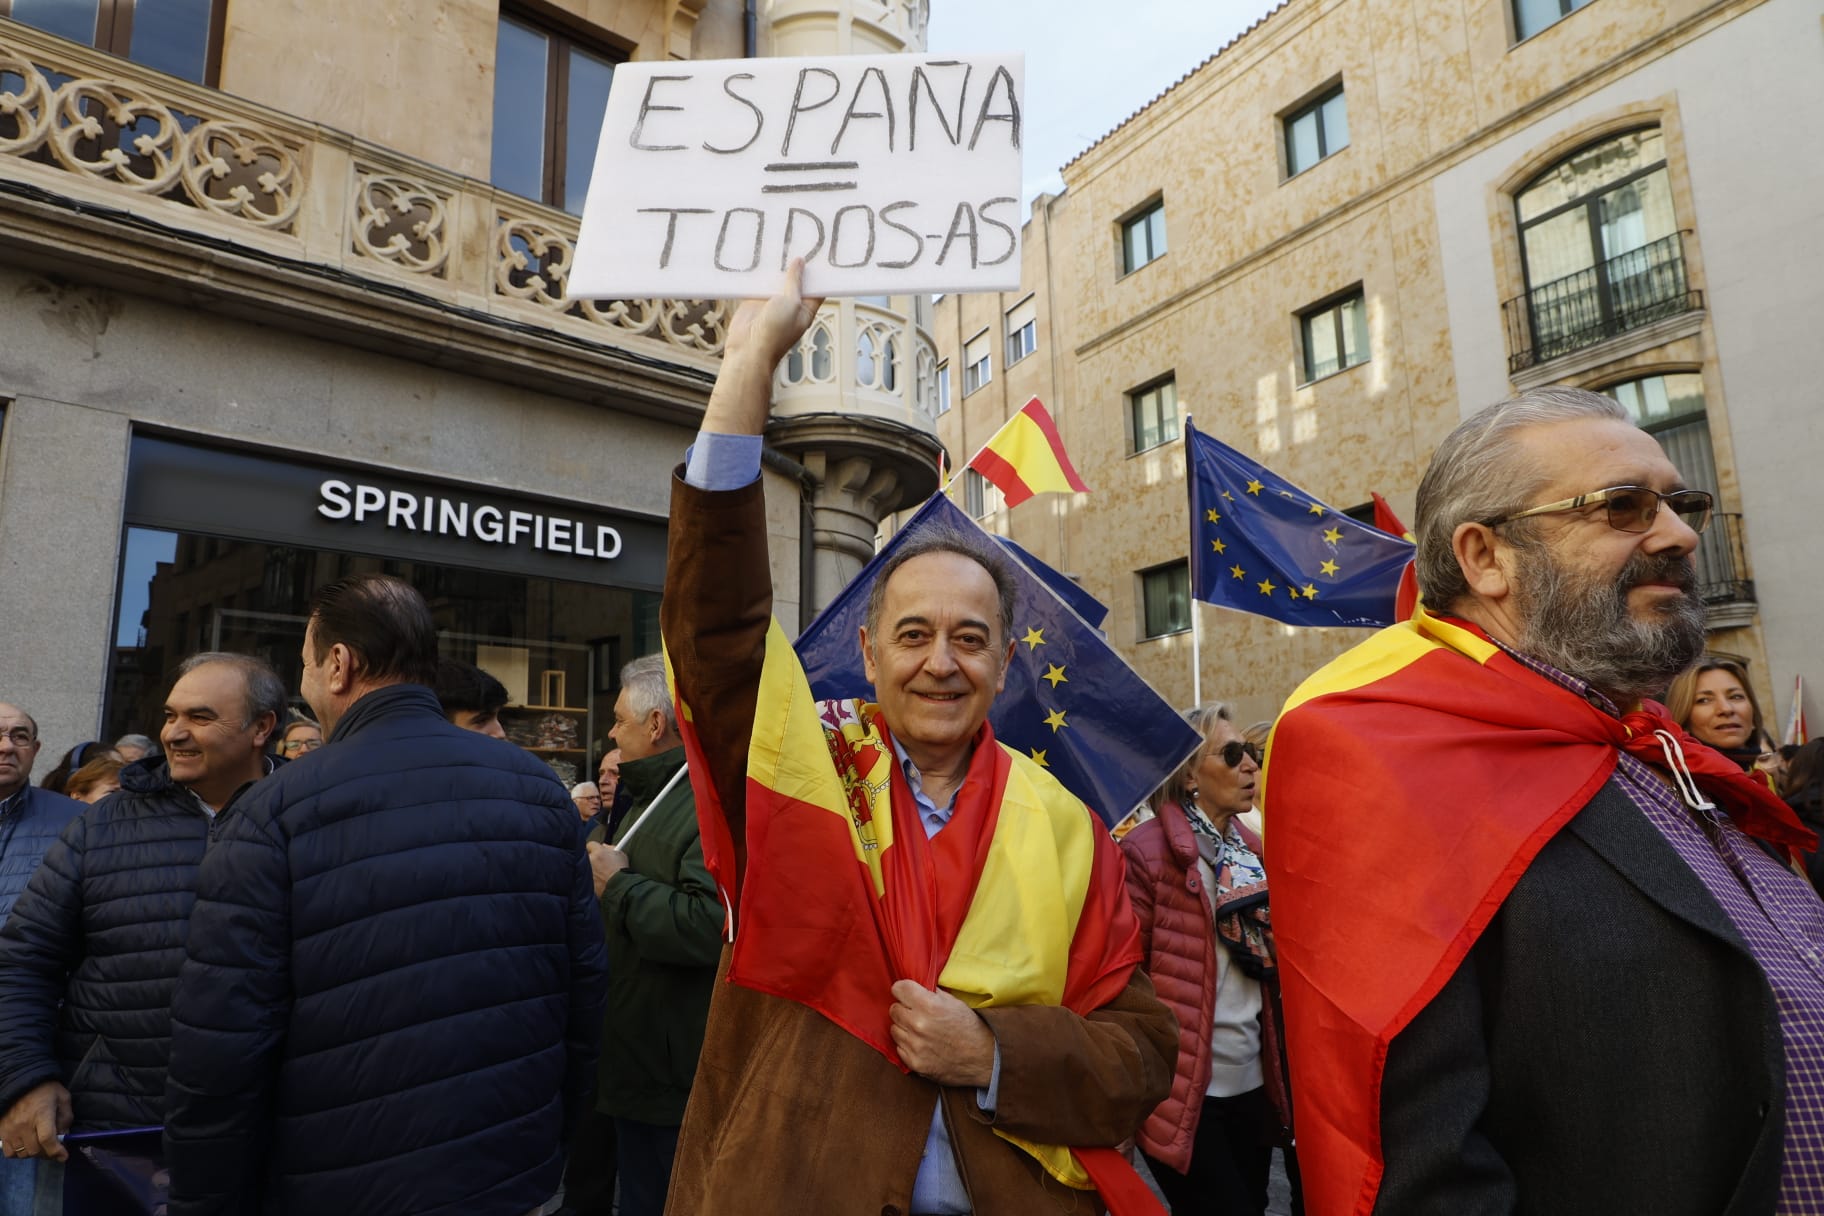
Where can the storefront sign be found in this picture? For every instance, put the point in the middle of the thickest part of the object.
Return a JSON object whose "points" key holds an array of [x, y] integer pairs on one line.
{"points": [[240, 494], [886, 173]]}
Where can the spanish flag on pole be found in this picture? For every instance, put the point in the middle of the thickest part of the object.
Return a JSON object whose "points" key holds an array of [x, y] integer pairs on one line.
{"points": [[1026, 457]]}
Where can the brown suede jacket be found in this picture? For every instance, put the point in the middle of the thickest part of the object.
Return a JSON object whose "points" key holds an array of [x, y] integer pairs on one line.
{"points": [[792, 1116]]}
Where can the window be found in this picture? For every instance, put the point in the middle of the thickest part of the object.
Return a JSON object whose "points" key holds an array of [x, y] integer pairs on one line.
{"points": [[1531, 16], [1154, 410], [943, 388], [1165, 599], [976, 371], [1315, 131], [980, 496], [1601, 248], [1143, 237], [1670, 407], [1022, 330], [550, 93], [1363, 513], [182, 37], [1335, 335]]}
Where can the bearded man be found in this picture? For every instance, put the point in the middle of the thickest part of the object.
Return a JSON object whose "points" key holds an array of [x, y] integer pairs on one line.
{"points": [[1542, 951]]}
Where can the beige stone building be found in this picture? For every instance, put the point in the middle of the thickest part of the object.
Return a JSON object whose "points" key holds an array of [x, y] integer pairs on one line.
{"points": [[1362, 221], [281, 298]]}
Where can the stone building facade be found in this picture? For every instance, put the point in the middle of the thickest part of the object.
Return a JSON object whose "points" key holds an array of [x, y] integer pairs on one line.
{"points": [[1362, 221], [281, 290]]}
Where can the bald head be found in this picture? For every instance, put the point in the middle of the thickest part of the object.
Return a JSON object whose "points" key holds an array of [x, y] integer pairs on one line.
{"points": [[19, 744]]}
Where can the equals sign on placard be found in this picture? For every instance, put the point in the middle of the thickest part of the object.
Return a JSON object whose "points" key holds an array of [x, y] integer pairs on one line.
{"points": [[827, 167]]}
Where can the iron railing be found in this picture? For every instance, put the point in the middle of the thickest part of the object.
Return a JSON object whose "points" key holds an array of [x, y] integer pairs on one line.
{"points": [[1628, 291], [1722, 565]]}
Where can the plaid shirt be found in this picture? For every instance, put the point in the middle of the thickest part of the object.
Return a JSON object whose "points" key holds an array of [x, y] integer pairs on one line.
{"points": [[1781, 919]]}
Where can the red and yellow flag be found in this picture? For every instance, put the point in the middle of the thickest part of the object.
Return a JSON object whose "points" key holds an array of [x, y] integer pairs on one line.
{"points": [[1406, 599], [1026, 457], [1018, 901], [1409, 784]]}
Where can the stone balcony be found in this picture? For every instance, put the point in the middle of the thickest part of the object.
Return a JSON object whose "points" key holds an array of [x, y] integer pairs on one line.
{"points": [[116, 174]]}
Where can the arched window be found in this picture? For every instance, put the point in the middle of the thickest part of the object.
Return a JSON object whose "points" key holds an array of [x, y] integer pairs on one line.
{"points": [[1601, 248]]}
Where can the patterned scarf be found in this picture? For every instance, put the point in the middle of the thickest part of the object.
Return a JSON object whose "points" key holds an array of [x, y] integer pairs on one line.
{"points": [[1243, 923]]}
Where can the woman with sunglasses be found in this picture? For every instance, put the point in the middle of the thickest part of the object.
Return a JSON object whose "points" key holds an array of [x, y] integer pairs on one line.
{"points": [[1198, 887]]}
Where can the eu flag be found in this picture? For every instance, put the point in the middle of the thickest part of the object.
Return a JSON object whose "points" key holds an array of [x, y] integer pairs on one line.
{"points": [[1260, 544], [1070, 702]]}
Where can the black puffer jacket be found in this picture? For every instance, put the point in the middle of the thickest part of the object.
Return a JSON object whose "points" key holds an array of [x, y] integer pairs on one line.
{"points": [[101, 928], [394, 986]]}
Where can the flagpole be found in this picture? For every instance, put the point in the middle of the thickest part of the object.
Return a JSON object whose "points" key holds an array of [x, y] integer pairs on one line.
{"points": [[1190, 478], [627, 836], [1196, 653]]}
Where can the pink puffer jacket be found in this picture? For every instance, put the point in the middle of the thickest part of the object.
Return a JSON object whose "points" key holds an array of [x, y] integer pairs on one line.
{"points": [[1180, 944]]}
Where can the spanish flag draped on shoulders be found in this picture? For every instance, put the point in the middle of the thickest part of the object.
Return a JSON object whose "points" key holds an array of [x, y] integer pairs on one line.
{"points": [[1019, 900], [1409, 785]]}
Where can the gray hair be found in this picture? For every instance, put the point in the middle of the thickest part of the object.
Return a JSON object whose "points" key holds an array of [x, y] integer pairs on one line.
{"points": [[943, 538], [644, 682], [1202, 719], [1477, 475], [265, 692], [145, 745]]}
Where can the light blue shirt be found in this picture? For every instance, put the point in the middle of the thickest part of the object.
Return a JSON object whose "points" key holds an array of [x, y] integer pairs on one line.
{"points": [[729, 462]]}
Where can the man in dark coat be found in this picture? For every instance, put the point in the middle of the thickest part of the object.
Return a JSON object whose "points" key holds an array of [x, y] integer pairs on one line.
{"points": [[30, 820], [393, 989], [89, 958], [663, 922]]}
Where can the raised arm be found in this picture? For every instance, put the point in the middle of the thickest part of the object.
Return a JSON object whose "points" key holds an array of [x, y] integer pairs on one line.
{"points": [[718, 583]]}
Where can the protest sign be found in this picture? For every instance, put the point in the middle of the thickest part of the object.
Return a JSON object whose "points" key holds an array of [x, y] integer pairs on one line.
{"points": [[886, 173]]}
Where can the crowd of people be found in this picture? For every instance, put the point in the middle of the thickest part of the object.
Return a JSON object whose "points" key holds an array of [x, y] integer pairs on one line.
{"points": [[1524, 920]]}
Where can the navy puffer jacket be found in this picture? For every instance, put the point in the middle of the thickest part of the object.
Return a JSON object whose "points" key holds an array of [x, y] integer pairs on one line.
{"points": [[108, 909], [27, 829], [394, 988]]}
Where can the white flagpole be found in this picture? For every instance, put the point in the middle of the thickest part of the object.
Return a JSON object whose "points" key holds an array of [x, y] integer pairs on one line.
{"points": [[1196, 616], [627, 836]]}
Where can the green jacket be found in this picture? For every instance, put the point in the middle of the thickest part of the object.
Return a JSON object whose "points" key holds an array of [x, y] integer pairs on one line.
{"points": [[663, 921]]}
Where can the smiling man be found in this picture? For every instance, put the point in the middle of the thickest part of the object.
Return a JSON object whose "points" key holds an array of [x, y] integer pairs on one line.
{"points": [[953, 1048], [1542, 951], [90, 956]]}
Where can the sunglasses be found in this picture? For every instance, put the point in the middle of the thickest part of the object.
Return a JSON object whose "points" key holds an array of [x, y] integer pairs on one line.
{"points": [[1630, 508], [1232, 752]]}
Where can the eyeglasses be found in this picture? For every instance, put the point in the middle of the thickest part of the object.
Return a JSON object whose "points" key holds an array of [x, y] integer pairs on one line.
{"points": [[1232, 752], [1630, 508], [291, 746], [19, 736]]}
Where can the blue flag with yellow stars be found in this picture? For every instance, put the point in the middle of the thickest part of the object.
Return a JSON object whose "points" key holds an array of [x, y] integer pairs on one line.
{"points": [[1070, 702], [1260, 544]]}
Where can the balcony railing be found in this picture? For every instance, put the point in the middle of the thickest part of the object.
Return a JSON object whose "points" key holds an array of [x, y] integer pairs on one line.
{"points": [[1628, 291], [1722, 565], [111, 137]]}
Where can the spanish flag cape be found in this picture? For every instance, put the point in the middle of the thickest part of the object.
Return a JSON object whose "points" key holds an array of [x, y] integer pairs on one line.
{"points": [[1409, 784], [1018, 901]]}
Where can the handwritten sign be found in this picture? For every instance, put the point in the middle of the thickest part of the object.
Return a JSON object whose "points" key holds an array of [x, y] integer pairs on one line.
{"points": [[886, 173]]}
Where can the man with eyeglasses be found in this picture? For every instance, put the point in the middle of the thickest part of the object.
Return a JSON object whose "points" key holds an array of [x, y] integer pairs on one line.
{"points": [[90, 955], [1542, 951], [30, 820]]}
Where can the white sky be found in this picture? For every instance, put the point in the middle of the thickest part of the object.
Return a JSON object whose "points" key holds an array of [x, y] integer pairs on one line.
{"points": [[1089, 63]]}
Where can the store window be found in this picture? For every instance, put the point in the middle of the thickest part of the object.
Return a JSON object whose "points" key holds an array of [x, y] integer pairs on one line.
{"points": [[1165, 599], [1143, 237], [1316, 131], [182, 37], [529, 591], [550, 93], [1153, 414]]}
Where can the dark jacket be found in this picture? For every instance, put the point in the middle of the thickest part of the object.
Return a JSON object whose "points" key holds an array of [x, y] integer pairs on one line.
{"points": [[1178, 933], [26, 832], [394, 979], [1607, 1046], [791, 1114], [101, 929], [663, 921]]}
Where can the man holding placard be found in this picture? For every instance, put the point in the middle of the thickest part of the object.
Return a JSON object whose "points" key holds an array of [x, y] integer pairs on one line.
{"points": [[932, 1003]]}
